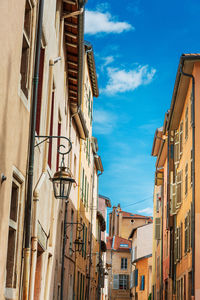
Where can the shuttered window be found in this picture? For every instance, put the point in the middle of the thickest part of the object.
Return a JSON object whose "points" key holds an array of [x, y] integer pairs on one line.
{"points": [[142, 283], [157, 228], [186, 179], [181, 240], [173, 198], [136, 277], [186, 234], [189, 231], [181, 139], [186, 123], [175, 246], [83, 178], [176, 147], [179, 189], [116, 281]]}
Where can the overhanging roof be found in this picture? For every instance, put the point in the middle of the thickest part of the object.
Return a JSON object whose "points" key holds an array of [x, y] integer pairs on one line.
{"points": [[92, 68], [98, 163], [73, 32], [157, 141], [180, 88]]}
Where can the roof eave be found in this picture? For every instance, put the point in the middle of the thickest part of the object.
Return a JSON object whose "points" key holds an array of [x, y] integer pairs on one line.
{"points": [[180, 89]]}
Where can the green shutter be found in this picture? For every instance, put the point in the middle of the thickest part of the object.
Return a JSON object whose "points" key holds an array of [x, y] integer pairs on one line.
{"points": [[83, 177], [83, 239], [115, 281], [157, 228], [85, 245]]}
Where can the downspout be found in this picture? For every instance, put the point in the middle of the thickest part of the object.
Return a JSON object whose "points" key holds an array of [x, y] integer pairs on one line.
{"points": [[193, 178], [65, 224], [34, 239], [63, 251], [90, 254], [39, 184], [28, 209], [98, 288]]}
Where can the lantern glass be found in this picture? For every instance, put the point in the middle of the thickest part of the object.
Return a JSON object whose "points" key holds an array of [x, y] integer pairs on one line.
{"points": [[62, 184]]}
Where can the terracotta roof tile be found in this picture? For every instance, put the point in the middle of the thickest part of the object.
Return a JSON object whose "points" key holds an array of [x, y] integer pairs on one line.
{"points": [[120, 244]]}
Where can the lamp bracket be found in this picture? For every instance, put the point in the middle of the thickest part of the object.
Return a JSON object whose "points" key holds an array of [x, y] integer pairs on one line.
{"points": [[50, 137], [79, 227]]}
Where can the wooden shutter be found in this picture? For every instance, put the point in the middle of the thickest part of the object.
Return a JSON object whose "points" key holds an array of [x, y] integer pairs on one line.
{"points": [[157, 228], [186, 234], [173, 198], [189, 230], [181, 240], [176, 147], [136, 277], [181, 139], [85, 244], [83, 178], [116, 281], [175, 246], [179, 189], [143, 283]]}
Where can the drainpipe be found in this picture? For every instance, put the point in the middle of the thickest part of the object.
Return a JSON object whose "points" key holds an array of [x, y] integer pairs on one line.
{"points": [[65, 223], [90, 254], [31, 156], [98, 288], [34, 239], [193, 178]]}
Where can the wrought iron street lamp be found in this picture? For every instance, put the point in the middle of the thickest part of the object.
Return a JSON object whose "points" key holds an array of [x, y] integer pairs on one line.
{"points": [[62, 180]]}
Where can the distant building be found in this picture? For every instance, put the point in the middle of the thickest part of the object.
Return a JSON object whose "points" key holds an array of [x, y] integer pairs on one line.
{"points": [[121, 223], [119, 265], [141, 261], [103, 204]]}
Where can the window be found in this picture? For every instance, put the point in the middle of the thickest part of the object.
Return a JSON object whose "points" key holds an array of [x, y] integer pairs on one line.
{"points": [[124, 263], [181, 139], [123, 282], [142, 283], [11, 265], [58, 144], [191, 108], [51, 131], [26, 46], [178, 188], [176, 147], [83, 178], [187, 232], [71, 233], [39, 96], [186, 179], [157, 203], [157, 228], [186, 123]]}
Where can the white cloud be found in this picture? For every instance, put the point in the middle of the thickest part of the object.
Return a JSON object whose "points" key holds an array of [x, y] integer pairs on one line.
{"points": [[107, 60], [99, 22], [123, 81], [148, 210], [104, 122]]}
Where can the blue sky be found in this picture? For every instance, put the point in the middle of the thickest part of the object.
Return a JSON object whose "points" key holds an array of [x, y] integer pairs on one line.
{"points": [[137, 46]]}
